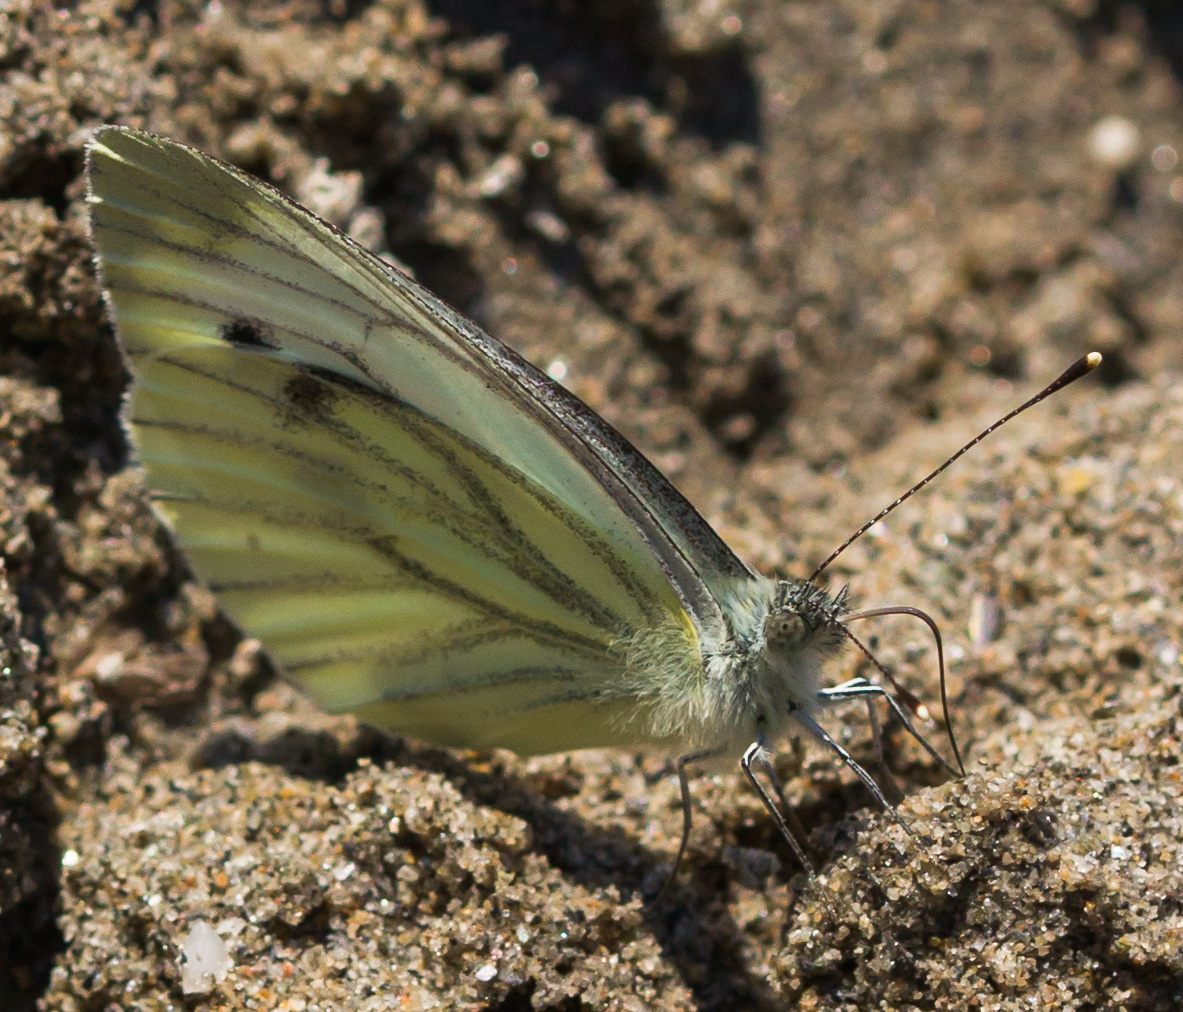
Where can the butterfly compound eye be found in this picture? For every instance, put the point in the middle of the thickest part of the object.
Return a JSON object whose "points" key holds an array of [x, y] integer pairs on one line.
{"points": [[785, 629]]}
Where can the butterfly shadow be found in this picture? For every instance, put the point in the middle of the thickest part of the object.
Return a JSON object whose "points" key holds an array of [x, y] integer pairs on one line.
{"points": [[691, 922]]}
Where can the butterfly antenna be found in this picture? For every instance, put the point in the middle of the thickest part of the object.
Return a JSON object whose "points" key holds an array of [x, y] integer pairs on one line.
{"points": [[1081, 367]]}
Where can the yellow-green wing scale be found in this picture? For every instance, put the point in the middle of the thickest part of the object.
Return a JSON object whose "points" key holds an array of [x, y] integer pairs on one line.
{"points": [[420, 526]]}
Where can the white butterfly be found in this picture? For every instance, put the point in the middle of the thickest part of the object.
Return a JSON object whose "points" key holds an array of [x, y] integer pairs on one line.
{"points": [[423, 528]]}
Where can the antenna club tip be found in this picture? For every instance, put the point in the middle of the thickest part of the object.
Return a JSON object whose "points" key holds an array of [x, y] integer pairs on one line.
{"points": [[1092, 360]]}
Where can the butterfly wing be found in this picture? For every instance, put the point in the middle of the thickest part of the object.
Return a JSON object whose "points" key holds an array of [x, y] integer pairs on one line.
{"points": [[419, 525]]}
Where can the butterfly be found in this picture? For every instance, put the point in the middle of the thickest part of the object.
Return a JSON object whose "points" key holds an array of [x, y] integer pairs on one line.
{"points": [[421, 527]]}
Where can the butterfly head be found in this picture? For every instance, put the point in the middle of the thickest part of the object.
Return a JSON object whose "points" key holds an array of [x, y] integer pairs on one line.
{"points": [[771, 662], [801, 630], [803, 615]]}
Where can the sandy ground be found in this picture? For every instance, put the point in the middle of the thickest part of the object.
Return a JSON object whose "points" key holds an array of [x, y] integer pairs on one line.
{"points": [[797, 252]]}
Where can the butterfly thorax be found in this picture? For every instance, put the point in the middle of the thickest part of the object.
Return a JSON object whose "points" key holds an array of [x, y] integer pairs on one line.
{"points": [[764, 663]]}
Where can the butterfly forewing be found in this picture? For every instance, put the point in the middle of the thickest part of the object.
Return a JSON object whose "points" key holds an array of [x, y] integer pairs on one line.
{"points": [[417, 524]]}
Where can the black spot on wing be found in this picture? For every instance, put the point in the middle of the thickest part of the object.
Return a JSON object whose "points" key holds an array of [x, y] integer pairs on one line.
{"points": [[243, 332], [309, 398]]}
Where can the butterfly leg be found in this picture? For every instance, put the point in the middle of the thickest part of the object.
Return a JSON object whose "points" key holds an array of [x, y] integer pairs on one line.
{"points": [[756, 752], [848, 761], [684, 784], [858, 688], [850, 690], [885, 773], [789, 812]]}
